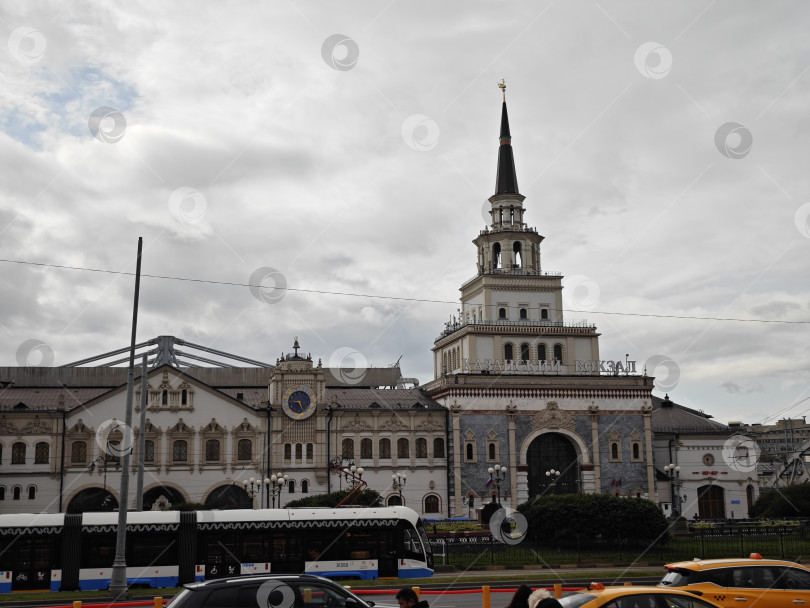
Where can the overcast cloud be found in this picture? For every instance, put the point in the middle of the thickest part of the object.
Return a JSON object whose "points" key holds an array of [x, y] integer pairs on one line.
{"points": [[351, 147]]}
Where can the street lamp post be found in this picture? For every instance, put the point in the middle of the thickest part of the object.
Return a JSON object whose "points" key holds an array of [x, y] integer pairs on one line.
{"points": [[398, 481], [277, 482], [553, 475], [497, 474], [338, 466], [353, 475], [674, 474], [253, 486]]}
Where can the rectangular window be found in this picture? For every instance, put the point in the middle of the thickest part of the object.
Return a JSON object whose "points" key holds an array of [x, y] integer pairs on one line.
{"points": [[42, 453], [78, 452], [149, 451], [180, 451]]}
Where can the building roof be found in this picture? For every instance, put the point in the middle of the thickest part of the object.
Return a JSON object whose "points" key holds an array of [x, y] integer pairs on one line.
{"points": [[386, 399], [670, 417]]}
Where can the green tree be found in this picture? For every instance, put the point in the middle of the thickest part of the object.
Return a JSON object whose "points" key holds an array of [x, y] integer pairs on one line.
{"points": [[792, 501]]}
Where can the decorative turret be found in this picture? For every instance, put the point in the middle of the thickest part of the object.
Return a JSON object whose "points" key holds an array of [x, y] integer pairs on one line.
{"points": [[507, 244]]}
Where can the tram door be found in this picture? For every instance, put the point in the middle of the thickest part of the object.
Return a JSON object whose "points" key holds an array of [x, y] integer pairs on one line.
{"points": [[220, 554], [33, 558]]}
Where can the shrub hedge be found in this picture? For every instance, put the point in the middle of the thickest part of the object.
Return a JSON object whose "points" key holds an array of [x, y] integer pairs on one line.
{"points": [[591, 517]]}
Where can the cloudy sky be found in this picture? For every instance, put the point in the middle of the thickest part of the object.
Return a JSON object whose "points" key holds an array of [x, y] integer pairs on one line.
{"points": [[350, 148]]}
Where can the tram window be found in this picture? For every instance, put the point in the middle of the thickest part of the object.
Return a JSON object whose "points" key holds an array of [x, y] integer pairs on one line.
{"points": [[152, 548], [98, 550], [412, 545], [254, 547]]}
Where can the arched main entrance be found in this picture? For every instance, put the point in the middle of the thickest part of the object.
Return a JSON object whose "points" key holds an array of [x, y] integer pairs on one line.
{"points": [[552, 451], [92, 499], [711, 502], [229, 497]]}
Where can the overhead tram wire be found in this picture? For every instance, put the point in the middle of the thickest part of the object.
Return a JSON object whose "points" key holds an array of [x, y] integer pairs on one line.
{"points": [[397, 298]]}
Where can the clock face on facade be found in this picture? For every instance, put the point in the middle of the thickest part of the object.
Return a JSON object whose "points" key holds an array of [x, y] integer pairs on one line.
{"points": [[298, 402]]}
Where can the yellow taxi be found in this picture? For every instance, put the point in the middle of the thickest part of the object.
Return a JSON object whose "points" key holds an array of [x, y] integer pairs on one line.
{"points": [[765, 583], [599, 596]]}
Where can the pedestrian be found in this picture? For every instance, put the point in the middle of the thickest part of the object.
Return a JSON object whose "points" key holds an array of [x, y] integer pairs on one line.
{"points": [[521, 597], [541, 598], [407, 598]]}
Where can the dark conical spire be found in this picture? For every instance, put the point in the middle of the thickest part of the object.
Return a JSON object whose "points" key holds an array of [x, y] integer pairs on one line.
{"points": [[506, 180]]}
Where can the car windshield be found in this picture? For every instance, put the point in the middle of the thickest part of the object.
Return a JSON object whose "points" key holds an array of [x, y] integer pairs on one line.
{"points": [[676, 578], [576, 600]]}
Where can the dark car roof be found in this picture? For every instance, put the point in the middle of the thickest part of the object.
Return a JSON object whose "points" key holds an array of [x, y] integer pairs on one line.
{"points": [[248, 578]]}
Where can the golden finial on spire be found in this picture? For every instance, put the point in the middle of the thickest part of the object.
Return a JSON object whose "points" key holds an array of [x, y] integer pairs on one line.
{"points": [[502, 86]]}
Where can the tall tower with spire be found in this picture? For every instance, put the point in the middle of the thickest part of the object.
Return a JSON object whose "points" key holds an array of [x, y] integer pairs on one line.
{"points": [[526, 390], [511, 317]]}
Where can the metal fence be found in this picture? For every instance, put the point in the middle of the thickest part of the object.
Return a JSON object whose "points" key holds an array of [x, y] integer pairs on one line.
{"points": [[779, 543]]}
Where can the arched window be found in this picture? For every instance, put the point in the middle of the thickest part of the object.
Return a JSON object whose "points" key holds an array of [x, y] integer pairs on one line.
{"points": [[421, 448], [347, 448], [291, 486], [365, 448], [492, 451], [149, 451], [524, 314], [469, 451], [431, 503], [544, 313], [501, 313], [299, 449], [305, 487], [18, 453], [558, 352], [385, 448], [41, 453], [518, 255], [212, 450], [496, 255], [78, 452], [164, 399], [541, 352], [180, 451], [32, 492], [394, 500], [508, 353], [15, 493], [403, 448], [244, 449], [438, 448], [614, 451], [636, 452], [184, 397], [309, 452], [524, 352]]}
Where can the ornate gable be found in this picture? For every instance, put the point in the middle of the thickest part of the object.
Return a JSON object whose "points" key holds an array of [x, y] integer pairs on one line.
{"points": [[6, 427], [36, 427], [356, 424], [395, 424], [430, 424], [553, 418], [213, 427]]}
